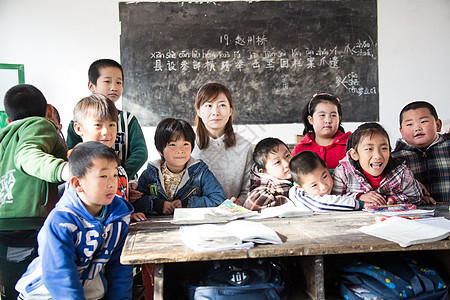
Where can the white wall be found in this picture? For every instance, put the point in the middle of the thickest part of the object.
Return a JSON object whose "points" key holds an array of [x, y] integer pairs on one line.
{"points": [[57, 40]]}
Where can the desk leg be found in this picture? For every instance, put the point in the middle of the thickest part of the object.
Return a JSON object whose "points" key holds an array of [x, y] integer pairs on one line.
{"points": [[312, 271], [158, 292]]}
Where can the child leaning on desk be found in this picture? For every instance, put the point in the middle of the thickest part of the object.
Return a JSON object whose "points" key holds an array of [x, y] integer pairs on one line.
{"points": [[174, 181], [370, 174], [270, 179], [82, 238], [177, 179], [313, 185]]}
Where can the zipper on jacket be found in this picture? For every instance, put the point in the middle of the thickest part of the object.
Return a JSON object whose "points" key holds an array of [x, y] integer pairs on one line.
{"points": [[189, 194]]}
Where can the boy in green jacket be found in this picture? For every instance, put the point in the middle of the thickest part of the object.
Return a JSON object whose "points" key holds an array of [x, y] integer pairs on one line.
{"points": [[32, 162]]}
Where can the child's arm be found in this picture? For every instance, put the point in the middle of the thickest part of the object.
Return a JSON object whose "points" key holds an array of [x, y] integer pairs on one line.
{"points": [[149, 203], [213, 194], [407, 189], [57, 250], [137, 148], [374, 198], [339, 182], [326, 202], [33, 152], [262, 197], [118, 276]]}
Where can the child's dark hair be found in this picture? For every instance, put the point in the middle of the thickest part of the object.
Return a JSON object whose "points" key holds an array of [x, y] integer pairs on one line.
{"points": [[171, 129], [24, 100], [369, 130], [417, 105], [365, 130], [82, 157], [57, 116], [95, 105], [96, 66], [304, 163], [263, 148], [310, 108]]}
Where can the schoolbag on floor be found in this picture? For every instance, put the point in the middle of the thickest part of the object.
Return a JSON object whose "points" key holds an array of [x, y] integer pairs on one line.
{"points": [[242, 279], [396, 277]]}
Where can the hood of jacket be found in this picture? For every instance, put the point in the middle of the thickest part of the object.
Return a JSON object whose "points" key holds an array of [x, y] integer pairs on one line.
{"points": [[118, 208]]}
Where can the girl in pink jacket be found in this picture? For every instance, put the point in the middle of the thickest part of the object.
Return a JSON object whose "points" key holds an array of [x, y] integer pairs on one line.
{"points": [[370, 174]]}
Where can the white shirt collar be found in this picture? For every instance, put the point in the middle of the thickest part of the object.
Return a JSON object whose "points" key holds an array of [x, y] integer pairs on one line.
{"points": [[217, 142]]}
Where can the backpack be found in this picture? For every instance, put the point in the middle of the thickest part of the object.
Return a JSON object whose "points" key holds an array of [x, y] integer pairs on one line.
{"points": [[395, 277], [242, 279]]}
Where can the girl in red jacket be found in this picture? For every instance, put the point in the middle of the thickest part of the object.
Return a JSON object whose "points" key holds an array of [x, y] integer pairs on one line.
{"points": [[323, 131]]}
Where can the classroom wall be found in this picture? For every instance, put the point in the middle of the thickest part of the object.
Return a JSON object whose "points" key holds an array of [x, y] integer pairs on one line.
{"points": [[57, 40]]}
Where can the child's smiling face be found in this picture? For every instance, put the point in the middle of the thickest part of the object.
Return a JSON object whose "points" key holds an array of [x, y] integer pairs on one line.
{"points": [[319, 182], [92, 129], [176, 154], [373, 153]]}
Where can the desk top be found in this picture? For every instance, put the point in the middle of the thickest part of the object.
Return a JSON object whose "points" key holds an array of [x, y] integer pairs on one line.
{"points": [[158, 241]]}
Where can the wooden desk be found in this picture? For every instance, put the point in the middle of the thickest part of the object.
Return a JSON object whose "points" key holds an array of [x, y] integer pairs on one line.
{"points": [[158, 242]]}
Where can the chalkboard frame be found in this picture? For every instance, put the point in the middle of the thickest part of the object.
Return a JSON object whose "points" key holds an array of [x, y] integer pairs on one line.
{"points": [[153, 95]]}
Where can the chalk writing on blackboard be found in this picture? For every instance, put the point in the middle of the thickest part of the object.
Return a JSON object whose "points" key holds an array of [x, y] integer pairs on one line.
{"points": [[272, 55]]}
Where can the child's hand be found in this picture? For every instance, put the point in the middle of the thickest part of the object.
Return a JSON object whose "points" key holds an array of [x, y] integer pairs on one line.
{"points": [[138, 217], [390, 201], [177, 203], [134, 194], [168, 207], [373, 198], [236, 201], [426, 199]]}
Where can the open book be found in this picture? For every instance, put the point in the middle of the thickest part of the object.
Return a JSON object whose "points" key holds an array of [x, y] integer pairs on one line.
{"points": [[228, 211], [238, 234], [410, 232]]}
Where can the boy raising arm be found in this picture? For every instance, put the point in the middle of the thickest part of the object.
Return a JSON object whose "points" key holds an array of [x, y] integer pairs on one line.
{"points": [[32, 163], [81, 240]]}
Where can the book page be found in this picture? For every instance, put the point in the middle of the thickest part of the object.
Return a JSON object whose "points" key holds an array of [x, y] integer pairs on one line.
{"points": [[199, 215], [253, 232], [210, 237], [405, 232]]}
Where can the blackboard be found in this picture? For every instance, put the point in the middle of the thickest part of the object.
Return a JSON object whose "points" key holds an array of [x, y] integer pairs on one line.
{"points": [[272, 55]]}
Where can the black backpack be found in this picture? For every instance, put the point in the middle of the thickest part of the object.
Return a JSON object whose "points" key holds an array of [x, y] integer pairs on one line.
{"points": [[243, 279]]}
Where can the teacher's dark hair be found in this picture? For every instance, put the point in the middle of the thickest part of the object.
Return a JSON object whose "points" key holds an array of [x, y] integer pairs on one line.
{"points": [[209, 92]]}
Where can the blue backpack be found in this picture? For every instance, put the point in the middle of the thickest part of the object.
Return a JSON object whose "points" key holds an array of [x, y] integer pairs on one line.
{"points": [[398, 277]]}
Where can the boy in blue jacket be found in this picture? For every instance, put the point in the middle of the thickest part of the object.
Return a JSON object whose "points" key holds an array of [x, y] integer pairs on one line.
{"points": [[81, 240]]}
